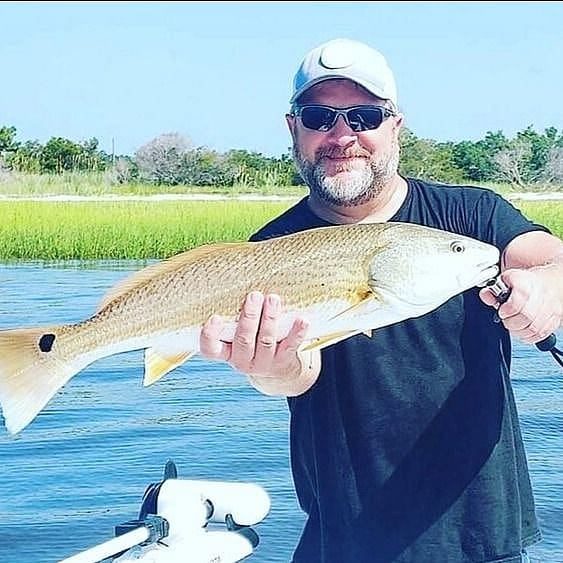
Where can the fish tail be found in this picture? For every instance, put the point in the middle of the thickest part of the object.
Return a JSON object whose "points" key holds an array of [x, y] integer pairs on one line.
{"points": [[30, 373]]}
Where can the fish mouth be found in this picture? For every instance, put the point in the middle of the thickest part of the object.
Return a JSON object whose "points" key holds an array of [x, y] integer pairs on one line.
{"points": [[484, 276]]}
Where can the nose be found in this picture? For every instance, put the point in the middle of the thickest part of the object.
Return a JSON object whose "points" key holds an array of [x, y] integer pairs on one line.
{"points": [[342, 134]]}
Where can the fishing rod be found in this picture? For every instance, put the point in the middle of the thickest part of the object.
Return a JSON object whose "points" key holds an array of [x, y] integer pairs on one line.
{"points": [[502, 292]]}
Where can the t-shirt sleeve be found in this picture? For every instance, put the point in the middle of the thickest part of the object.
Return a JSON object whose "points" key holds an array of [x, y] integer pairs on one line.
{"points": [[497, 221]]}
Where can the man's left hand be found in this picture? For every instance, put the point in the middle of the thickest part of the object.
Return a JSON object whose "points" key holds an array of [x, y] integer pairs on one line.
{"points": [[533, 311]]}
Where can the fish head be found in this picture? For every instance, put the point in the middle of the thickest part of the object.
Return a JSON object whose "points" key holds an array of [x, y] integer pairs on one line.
{"points": [[418, 268]]}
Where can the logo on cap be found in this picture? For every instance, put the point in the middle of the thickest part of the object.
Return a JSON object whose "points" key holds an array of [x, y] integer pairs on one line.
{"points": [[336, 56]]}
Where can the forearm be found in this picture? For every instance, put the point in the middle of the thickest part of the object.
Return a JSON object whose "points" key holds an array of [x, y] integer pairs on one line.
{"points": [[552, 273], [294, 380]]}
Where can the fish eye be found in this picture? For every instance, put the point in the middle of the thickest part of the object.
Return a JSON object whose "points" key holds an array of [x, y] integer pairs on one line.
{"points": [[457, 246]]}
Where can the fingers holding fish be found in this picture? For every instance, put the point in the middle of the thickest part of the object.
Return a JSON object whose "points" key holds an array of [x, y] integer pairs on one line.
{"points": [[257, 348], [210, 341], [246, 333], [273, 365], [267, 337], [279, 359], [292, 371], [296, 336], [255, 340]]}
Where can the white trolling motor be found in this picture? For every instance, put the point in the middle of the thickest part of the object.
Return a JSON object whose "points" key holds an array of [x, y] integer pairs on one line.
{"points": [[187, 521]]}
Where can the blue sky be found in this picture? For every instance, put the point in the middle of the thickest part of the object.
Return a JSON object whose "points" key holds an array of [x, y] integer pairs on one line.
{"points": [[220, 73]]}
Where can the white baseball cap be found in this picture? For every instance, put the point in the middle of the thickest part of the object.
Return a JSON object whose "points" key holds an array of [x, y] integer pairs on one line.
{"points": [[346, 58]]}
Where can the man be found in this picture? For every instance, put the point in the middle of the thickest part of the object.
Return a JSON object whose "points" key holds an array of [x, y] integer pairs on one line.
{"points": [[405, 446]]}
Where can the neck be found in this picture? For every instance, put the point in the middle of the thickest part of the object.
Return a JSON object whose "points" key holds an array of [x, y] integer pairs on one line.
{"points": [[378, 210]]}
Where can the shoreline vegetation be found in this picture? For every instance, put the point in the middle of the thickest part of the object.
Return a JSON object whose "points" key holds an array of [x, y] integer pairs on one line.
{"points": [[70, 218]]}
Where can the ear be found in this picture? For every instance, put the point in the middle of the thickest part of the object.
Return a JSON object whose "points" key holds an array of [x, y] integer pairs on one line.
{"points": [[399, 121], [291, 124]]}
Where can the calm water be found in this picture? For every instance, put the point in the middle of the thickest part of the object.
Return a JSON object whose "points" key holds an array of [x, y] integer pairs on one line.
{"points": [[82, 466]]}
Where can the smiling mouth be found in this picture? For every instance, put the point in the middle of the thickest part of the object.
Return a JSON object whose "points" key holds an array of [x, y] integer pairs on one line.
{"points": [[343, 163], [352, 157]]}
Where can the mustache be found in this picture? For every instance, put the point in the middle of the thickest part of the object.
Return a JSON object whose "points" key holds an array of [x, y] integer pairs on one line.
{"points": [[337, 152]]}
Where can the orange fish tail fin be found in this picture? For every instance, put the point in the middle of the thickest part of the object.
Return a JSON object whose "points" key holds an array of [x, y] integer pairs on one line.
{"points": [[30, 373]]}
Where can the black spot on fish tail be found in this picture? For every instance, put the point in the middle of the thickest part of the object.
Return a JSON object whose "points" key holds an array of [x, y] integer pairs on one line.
{"points": [[46, 342]]}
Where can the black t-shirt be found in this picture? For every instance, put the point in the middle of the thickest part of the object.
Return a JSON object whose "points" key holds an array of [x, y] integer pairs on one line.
{"points": [[408, 447]]}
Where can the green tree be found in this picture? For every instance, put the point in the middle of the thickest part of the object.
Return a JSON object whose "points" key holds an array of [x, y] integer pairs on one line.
{"points": [[8, 143], [540, 148], [206, 167], [91, 158], [427, 159], [476, 159], [531, 158], [60, 154], [27, 157], [8, 147]]}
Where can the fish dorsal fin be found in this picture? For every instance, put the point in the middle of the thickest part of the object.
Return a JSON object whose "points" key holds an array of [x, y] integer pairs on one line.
{"points": [[159, 362], [140, 278]]}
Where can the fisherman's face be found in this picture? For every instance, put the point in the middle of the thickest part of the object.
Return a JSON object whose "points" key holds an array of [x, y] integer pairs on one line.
{"points": [[342, 166]]}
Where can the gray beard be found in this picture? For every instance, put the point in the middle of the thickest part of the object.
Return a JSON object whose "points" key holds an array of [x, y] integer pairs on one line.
{"points": [[365, 185]]}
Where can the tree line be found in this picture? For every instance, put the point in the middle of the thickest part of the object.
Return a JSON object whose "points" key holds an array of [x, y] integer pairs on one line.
{"points": [[528, 160]]}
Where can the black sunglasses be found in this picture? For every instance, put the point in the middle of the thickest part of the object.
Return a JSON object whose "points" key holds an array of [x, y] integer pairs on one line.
{"points": [[358, 118]]}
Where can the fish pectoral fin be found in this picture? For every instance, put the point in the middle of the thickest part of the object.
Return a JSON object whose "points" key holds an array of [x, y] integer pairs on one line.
{"points": [[327, 340], [159, 362], [359, 308]]}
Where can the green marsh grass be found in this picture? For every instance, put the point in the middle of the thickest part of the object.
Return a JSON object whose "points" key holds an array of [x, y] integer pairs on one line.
{"points": [[548, 213], [42, 230], [102, 230]]}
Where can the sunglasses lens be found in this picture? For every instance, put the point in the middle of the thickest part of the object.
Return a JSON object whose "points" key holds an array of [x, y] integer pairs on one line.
{"points": [[317, 118], [360, 118], [363, 119]]}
